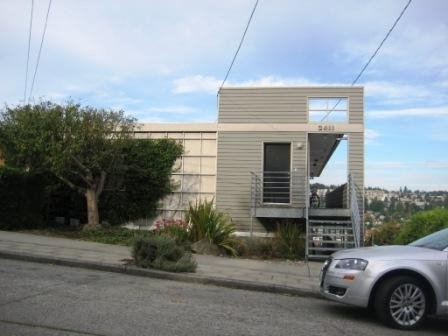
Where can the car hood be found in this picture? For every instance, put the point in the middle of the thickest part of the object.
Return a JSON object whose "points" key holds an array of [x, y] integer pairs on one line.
{"points": [[394, 252]]}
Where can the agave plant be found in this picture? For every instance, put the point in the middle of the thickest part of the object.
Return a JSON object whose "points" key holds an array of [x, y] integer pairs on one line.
{"points": [[206, 222]]}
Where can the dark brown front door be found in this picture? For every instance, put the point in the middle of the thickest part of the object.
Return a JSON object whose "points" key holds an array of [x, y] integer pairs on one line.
{"points": [[276, 173]]}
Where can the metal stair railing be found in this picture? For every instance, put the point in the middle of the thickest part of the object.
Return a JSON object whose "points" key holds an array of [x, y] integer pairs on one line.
{"points": [[255, 192], [271, 187]]}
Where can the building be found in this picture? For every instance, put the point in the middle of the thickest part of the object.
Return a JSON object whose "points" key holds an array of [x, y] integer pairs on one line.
{"points": [[256, 162]]}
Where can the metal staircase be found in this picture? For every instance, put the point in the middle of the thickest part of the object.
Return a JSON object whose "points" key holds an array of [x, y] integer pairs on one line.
{"points": [[331, 231], [327, 235], [333, 225]]}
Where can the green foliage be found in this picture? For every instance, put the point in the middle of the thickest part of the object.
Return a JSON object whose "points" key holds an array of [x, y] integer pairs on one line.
{"points": [[113, 235], [174, 228], [90, 149], [23, 204], [257, 247], [291, 240], [422, 224], [79, 145], [383, 234], [66, 139], [162, 252], [206, 222], [143, 178], [376, 205]]}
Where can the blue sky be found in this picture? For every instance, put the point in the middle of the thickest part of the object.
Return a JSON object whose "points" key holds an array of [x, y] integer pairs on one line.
{"points": [[162, 61]]}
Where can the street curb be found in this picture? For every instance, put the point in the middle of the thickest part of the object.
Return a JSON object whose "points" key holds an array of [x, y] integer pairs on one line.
{"points": [[184, 277]]}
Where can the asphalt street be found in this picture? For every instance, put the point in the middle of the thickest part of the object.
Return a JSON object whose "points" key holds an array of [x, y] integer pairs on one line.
{"points": [[40, 299]]}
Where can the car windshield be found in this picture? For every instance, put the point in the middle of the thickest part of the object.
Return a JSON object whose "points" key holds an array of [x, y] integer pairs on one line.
{"points": [[437, 240]]}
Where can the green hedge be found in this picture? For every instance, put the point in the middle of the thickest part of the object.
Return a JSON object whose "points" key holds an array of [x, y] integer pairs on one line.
{"points": [[161, 252], [23, 204], [422, 224]]}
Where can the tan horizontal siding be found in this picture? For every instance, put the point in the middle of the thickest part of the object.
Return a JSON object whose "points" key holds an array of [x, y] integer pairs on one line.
{"points": [[282, 105], [356, 162], [239, 154]]}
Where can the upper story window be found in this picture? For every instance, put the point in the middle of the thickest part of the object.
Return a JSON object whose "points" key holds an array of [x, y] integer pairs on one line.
{"points": [[331, 109]]}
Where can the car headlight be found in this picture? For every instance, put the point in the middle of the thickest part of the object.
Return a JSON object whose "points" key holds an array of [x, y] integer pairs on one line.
{"points": [[352, 264]]}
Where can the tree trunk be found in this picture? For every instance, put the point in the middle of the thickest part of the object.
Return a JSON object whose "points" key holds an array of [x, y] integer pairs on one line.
{"points": [[93, 218]]}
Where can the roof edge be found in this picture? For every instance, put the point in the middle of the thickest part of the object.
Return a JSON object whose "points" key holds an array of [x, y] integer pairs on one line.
{"points": [[177, 127]]}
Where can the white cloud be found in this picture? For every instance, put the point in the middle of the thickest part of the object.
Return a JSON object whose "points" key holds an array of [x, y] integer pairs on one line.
{"points": [[210, 84], [433, 112], [436, 164], [177, 109], [418, 44], [386, 165], [276, 81], [370, 135], [406, 165], [197, 83], [391, 90], [422, 175], [384, 90]]}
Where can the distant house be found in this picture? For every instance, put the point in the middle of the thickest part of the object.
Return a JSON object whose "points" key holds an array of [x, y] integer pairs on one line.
{"points": [[256, 162]]}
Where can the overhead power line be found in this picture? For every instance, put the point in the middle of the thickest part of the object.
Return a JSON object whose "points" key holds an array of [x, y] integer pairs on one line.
{"points": [[40, 50], [28, 52], [241, 43], [373, 55]]}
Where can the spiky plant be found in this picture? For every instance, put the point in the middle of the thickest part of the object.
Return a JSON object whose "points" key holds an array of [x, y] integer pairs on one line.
{"points": [[206, 222]]}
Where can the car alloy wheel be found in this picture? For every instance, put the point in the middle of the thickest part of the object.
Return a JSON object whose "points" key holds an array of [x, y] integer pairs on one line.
{"points": [[407, 304], [402, 302]]}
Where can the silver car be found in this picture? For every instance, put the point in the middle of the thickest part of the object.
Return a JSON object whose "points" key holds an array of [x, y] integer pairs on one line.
{"points": [[403, 284]]}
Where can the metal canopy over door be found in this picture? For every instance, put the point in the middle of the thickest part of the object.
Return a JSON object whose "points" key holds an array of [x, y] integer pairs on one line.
{"points": [[276, 173]]}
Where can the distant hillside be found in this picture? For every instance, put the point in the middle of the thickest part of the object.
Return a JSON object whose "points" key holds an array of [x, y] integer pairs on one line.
{"points": [[382, 205]]}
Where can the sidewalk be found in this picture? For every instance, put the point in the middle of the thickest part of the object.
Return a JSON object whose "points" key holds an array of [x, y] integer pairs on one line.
{"points": [[294, 278]]}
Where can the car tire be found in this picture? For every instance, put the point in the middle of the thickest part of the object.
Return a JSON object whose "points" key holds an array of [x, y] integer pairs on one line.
{"points": [[402, 302]]}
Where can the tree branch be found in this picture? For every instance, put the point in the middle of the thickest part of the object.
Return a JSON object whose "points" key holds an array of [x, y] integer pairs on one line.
{"points": [[73, 186], [74, 172], [100, 188], [81, 165]]}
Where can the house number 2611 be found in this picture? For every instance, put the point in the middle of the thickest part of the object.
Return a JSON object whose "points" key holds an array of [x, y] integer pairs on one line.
{"points": [[323, 128]]}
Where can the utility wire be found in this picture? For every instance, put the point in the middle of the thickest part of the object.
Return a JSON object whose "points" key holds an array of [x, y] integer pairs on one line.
{"points": [[373, 55], [40, 50], [241, 43], [29, 48]]}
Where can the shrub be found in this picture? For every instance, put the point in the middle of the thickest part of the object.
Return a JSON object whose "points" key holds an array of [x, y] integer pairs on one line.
{"points": [[174, 228], [241, 246], [23, 199], [162, 252], [383, 234], [113, 235], [422, 224], [256, 247], [206, 222], [134, 190], [291, 240]]}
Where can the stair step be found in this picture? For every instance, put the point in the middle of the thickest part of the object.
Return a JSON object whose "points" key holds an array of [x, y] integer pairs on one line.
{"points": [[319, 229], [331, 241], [329, 244], [332, 223], [325, 222], [341, 228]]}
